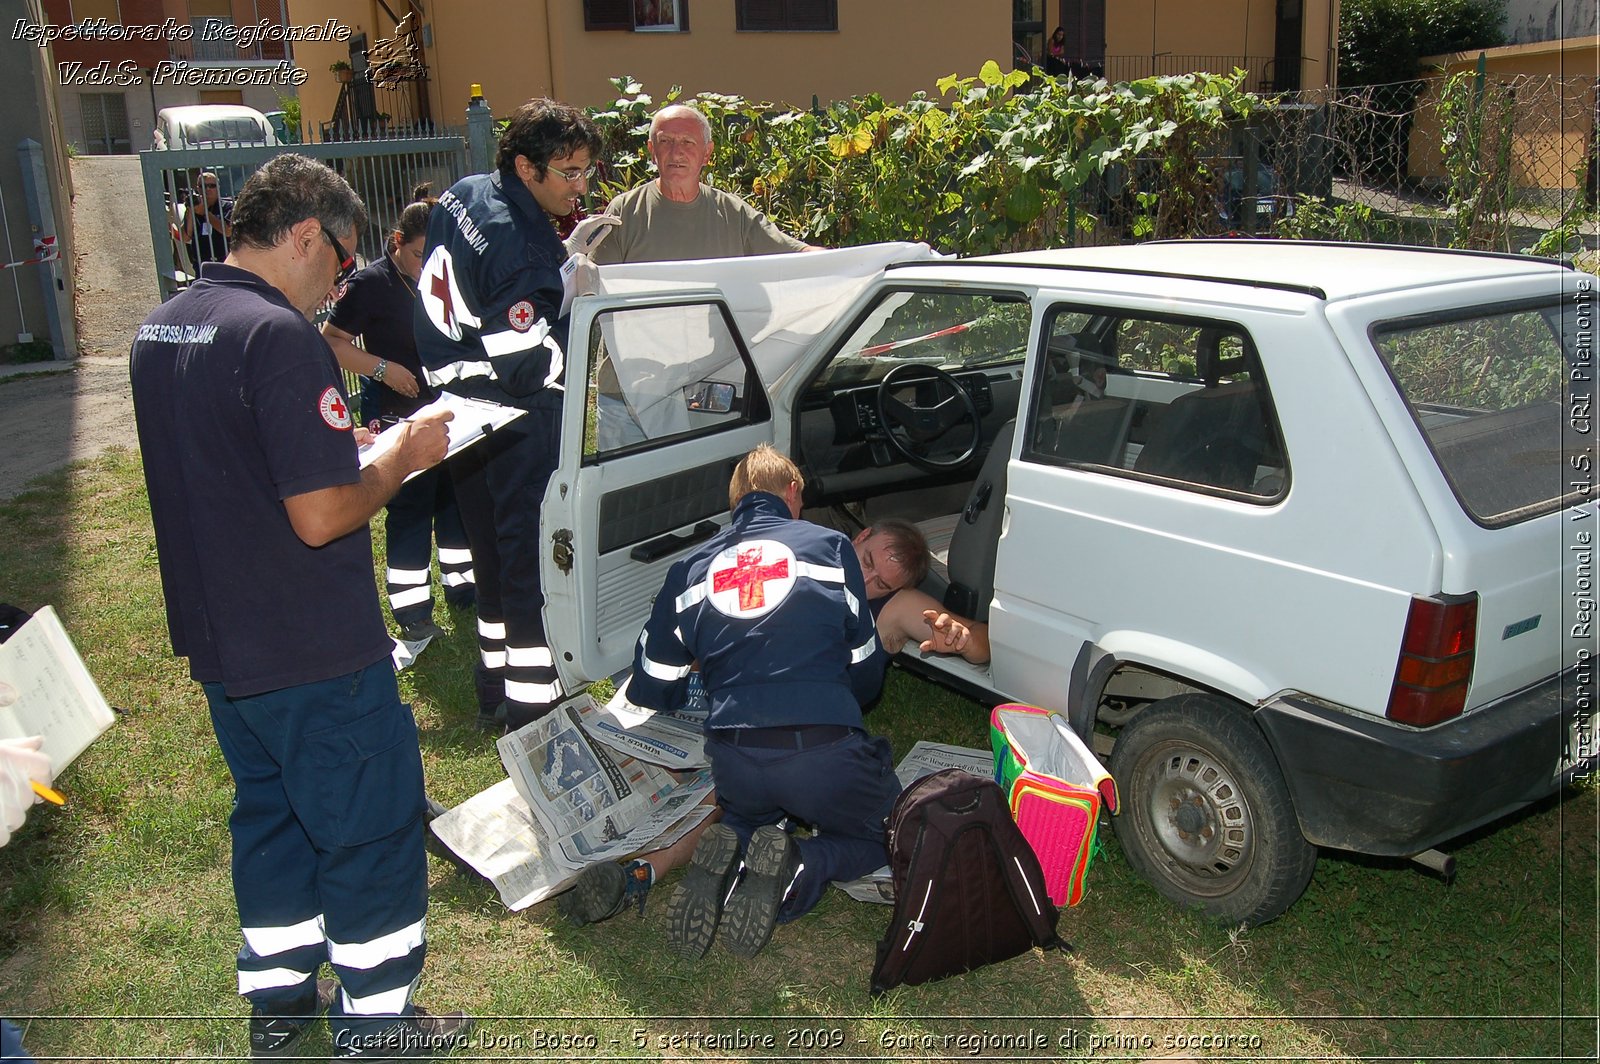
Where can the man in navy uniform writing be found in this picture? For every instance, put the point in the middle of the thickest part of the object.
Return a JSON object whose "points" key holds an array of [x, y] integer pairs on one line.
{"points": [[260, 512], [488, 327], [773, 611]]}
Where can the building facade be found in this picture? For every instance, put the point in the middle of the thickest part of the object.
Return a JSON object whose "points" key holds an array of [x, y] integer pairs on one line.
{"points": [[124, 60], [788, 52]]}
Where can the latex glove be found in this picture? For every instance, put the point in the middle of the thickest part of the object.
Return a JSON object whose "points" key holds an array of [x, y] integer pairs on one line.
{"points": [[21, 763], [589, 233], [585, 275]]}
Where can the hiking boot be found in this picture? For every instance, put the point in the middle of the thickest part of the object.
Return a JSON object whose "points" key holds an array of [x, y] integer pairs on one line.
{"points": [[420, 1035], [696, 906], [604, 890], [770, 864], [281, 1036], [417, 631]]}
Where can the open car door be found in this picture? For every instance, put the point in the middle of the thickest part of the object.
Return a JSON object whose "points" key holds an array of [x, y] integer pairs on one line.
{"points": [[676, 370]]}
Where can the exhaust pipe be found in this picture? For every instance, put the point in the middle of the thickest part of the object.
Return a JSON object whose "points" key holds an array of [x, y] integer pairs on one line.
{"points": [[1442, 863]]}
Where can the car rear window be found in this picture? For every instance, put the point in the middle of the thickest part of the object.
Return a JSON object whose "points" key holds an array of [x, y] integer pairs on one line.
{"points": [[1488, 388]]}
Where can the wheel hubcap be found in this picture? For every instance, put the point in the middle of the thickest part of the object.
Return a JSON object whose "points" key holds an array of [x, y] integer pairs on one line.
{"points": [[1200, 816]]}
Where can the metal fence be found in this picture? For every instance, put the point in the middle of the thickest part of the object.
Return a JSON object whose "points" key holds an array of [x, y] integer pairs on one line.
{"points": [[384, 172]]}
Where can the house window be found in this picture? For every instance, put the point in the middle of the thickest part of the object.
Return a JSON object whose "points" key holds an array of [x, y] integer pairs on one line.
{"points": [[656, 16], [787, 15], [644, 16]]}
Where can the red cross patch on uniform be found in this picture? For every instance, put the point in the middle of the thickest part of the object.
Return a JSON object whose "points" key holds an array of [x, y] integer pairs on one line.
{"points": [[750, 579], [521, 316], [335, 411]]}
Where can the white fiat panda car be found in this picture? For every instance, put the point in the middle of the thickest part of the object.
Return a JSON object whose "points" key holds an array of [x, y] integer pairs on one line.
{"points": [[1302, 532]]}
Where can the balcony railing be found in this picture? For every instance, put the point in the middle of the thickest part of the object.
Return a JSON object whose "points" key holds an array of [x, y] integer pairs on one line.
{"points": [[215, 42]]}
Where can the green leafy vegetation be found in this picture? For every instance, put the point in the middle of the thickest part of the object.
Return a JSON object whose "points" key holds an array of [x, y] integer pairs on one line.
{"points": [[996, 163]]}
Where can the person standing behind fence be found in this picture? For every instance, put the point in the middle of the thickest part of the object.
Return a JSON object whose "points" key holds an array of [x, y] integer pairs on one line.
{"points": [[489, 326], [376, 305], [205, 226]]}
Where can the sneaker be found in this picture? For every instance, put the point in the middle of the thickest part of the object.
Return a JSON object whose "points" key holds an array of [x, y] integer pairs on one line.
{"points": [[280, 1036], [696, 906], [420, 1035], [770, 864], [604, 890], [417, 631]]}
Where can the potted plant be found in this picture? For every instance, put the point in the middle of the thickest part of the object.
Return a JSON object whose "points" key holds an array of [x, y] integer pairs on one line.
{"points": [[342, 71]]}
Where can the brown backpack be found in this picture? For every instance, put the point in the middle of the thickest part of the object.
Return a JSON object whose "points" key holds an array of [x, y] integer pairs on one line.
{"points": [[968, 889]]}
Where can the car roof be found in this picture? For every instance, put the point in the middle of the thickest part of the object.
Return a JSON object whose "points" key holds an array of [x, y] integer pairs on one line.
{"points": [[1326, 270], [194, 112]]}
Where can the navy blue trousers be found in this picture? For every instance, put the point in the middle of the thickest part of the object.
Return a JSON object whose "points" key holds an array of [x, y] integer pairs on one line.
{"points": [[500, 486], [328, 859], [424, 509], [843, 790]]}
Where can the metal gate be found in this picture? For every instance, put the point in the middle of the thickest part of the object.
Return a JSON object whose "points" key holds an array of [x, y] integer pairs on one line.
{"points": [[383, 173]]}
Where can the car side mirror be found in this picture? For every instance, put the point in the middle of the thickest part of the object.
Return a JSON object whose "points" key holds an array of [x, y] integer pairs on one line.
{"points": [[709, 397]]}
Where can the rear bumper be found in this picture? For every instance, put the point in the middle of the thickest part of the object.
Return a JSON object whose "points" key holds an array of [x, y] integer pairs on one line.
{"points": [[1361, 783]]}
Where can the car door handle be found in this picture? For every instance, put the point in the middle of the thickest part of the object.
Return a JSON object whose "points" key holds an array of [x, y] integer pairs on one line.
{"points": [[662, 546]]}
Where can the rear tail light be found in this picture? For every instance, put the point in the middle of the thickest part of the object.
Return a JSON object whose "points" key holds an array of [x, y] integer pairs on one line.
{"points": [[1435, 667]]}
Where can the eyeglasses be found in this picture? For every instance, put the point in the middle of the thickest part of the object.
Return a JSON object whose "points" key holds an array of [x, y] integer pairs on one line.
{"points": [[347, 262], [573, 175]]}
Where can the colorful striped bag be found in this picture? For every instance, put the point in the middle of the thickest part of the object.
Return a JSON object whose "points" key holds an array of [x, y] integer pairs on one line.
{"points": [[1056, 788]]}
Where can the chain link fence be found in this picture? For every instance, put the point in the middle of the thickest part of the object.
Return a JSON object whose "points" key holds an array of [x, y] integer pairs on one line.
{"points": [[1482, 162]]}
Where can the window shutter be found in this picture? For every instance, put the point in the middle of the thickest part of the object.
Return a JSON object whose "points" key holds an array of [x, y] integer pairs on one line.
{"points": [[607, 14], [761, 15], [777, 15], [813, 14]]}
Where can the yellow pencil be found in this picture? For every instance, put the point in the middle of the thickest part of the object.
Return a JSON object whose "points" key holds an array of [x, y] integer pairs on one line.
{"points": [[54, 797]]}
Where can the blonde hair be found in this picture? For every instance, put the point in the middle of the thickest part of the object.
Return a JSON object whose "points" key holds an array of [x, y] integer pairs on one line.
{"points": [[764, 469]]}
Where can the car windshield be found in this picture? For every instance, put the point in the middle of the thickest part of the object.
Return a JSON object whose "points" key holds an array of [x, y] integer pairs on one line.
{"points": [[1492, 392], [950, 330], [222, 131]]}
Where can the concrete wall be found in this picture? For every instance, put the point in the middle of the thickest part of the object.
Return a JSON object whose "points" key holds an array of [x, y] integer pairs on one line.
{"points": [[1159, 28], [30, 113], [1555, 110]]}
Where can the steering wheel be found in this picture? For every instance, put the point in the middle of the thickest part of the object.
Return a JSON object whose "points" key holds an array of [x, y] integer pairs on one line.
{"points": [[912, 427]]}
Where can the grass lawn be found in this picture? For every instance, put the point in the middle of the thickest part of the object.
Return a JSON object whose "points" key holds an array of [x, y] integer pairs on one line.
{"points": [[117, 927]]}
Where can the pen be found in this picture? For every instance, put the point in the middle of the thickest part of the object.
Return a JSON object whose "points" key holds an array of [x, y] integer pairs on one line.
{"points": [[54, 797]]}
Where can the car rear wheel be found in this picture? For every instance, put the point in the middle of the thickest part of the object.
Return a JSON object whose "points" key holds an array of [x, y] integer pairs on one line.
{"points": [[1208, 819]]}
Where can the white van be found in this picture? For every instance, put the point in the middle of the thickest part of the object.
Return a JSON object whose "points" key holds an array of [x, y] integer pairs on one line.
{"points": [[212, 125]]}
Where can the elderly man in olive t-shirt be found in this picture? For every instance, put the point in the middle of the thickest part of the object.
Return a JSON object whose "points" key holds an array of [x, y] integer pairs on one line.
{"points": [[676, 216]]}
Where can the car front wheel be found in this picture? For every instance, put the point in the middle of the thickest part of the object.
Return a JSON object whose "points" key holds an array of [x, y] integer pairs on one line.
{"points": [[1208, 819]]}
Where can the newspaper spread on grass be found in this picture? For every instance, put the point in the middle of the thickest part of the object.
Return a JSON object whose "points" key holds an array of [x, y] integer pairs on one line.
{"points": [[675, 740], [496, 834], [588, 799], [924, 759]]}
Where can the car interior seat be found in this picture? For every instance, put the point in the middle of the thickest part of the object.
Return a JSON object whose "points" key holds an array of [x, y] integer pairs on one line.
{"points": [[1218, 434], [977, 533]]}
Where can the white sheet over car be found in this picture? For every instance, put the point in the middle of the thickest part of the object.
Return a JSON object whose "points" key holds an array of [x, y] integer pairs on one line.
{"points": [[780, 304]]}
